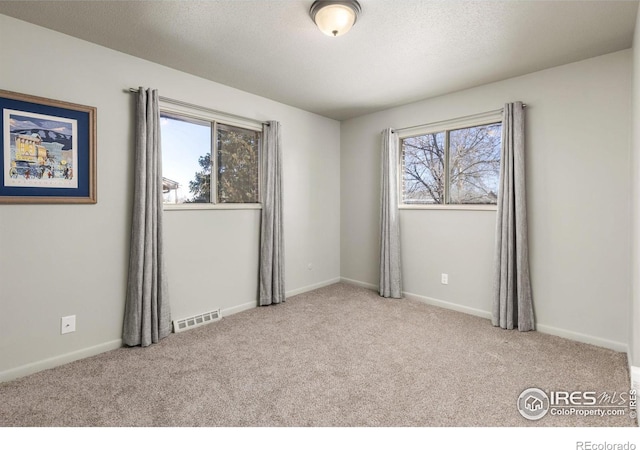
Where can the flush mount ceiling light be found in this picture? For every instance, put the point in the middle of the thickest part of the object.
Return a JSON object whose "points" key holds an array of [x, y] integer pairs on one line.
{"points": [[335, 18]]}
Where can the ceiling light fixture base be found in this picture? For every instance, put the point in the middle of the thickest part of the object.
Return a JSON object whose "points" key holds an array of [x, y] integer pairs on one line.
{"points": [[335, 18]]}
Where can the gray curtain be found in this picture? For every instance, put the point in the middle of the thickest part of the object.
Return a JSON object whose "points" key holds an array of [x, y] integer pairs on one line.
{"points": [[390, 270], [147, 316], [512, 302], [271, 271]]}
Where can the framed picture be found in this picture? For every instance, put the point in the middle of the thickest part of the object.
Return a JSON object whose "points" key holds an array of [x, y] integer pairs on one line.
{"points": [[48, 150]]}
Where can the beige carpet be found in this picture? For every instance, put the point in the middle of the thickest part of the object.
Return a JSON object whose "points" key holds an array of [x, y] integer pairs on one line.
{"points": [[338, 356]]}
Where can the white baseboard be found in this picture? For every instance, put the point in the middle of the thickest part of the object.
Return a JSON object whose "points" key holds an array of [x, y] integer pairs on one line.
{"points": [[239, 308], [312, 287], [55, 361], [585, 338], [359, 283], [572, 335], [254, 304], [49, 363], [448, 305], [546, 329]]}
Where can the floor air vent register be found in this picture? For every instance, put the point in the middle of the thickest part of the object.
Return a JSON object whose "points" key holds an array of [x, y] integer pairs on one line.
{"points": [[196, 321]]}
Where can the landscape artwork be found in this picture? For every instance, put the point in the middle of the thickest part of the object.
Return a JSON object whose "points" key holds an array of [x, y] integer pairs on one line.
{"points": [[39, 151]]}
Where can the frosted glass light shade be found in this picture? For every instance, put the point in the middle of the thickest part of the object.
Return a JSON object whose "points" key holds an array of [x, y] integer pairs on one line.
{"points": [[335, 18]]}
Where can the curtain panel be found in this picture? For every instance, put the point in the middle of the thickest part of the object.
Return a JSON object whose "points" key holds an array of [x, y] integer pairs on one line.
{"points": [[271, 271], [513, 300], [390, 267], [147, 313]]}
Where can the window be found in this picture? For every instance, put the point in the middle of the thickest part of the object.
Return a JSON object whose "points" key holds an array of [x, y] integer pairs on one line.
{"points": [[193, 174], [452, 165]]}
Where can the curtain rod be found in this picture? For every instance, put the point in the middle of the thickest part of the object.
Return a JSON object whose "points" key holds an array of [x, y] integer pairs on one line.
{"points": [[470, 116], [200, 108]]}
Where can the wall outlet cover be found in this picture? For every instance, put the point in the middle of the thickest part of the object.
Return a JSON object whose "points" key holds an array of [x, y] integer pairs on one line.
{"points": [[67, 324]]}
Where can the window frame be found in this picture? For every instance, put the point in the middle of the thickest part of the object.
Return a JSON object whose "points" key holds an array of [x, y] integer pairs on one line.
{"points": [[214, 119], [445, 126]]}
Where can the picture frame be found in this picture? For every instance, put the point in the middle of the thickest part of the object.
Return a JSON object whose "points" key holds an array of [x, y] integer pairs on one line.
{"points": [[47, 151]]}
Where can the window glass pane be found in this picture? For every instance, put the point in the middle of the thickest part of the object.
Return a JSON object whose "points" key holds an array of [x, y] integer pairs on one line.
{"points": [[186, 159], [237, 165], [423, 169], [474, 164]]}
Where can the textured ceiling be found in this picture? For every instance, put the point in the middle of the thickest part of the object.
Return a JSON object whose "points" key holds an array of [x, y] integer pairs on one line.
{"points": [[399, 51]]}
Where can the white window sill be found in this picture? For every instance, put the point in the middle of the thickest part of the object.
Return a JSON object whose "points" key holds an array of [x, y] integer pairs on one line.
{"points": [[210, 206], [456, 207]]}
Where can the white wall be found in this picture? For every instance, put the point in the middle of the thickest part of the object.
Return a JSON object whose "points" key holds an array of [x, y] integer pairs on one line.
{"points": [[578, 178], [634, 317], [58, 260]]}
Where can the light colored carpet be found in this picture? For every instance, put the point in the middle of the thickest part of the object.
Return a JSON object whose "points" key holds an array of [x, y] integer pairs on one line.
{"points": [[337, 356]]}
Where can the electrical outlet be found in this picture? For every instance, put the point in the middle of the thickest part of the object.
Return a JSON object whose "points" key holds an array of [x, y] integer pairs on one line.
{"points": [[444, 278], [67, 324]]}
